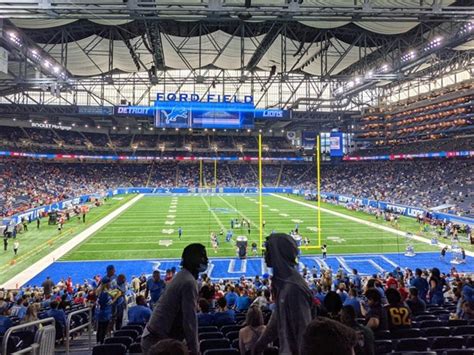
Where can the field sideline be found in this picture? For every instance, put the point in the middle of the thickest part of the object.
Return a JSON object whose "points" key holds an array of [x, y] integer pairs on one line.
{"points": [[148, 230]]}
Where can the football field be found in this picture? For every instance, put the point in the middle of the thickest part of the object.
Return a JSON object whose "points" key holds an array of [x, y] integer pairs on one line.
{"points": [[149, 229]]}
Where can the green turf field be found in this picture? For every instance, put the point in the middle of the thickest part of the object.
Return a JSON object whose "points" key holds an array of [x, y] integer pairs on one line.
{"points": [[37, 243], [148, 229]]}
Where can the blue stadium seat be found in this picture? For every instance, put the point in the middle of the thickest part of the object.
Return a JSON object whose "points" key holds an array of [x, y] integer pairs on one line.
{"points": [[208, 329], [437, 331], [463, 330], [132, 333], [210, 344], [109, 349], [127, 341], [135, 348], [225, 351], [447, 343], [430, 324], [383, 346], [211, 335], [230, 328], [412, 344], [458, 352], [457, 322], [406, 333], [232, 335], [137, 327]]}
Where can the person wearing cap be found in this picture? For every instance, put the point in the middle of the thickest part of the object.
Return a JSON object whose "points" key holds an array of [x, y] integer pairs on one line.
{"points": [[174, 316], [293, 298]]}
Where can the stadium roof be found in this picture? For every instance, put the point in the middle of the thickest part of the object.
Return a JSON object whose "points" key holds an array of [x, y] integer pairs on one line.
{"points": [[292, 52]]}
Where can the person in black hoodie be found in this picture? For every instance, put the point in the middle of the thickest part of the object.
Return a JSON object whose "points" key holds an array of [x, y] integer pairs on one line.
{"points": [[293, 298]]}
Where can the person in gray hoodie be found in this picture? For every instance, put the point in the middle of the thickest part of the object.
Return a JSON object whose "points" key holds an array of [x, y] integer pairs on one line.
{"points": [[293, 298]]}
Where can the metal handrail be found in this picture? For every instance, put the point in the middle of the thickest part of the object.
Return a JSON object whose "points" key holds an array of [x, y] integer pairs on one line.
{"points": [[22, 326], [82, 326]]}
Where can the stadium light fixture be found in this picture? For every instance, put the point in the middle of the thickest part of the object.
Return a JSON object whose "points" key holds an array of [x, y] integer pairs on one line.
{"points": [[73, 125], [205, 129], [98, 127], [270, 131], [163, 129], [45, 121], [126, 128], [248, 129], [14, 119], [114, 128], [190, 129], [151, 128], [87, 126], [225, 130], [176, 129], [213, 130], [282, 131]]}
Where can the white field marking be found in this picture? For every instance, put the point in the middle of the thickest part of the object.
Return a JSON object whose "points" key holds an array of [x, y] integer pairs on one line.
{"points": [[44, 262], [240, 213], [388, 260], [336, 239], [375, 265], [284, 214], [297, 220], [266, 206], [213, 213], [170, 223], [274, 209], [312, 229], [343, 263], [367, 223], [171, 216], [165, 242], [172, 211], [167, 231]]}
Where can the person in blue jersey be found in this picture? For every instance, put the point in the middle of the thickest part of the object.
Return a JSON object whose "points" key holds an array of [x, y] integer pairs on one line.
{"points": [[106, 298], [243, 301], [420, 283], [231, 297], [228, 236], [354, 301], [155, 287], [139, 314], [223, 315], [205, 318]]}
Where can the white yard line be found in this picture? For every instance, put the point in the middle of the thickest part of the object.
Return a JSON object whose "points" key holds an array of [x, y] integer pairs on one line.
{"points": [[240, 213], [43, 263], [367, 223], [213, 213]]}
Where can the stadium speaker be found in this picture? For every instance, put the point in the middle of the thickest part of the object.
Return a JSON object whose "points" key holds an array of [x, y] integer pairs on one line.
{"points": [[242, 246]]}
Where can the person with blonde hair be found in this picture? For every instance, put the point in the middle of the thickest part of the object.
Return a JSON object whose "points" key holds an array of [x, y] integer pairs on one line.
{"points": [[31, 315], [252, 331]]}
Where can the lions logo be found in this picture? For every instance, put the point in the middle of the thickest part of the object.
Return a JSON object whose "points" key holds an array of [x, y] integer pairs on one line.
{"points": [[176, 112]]}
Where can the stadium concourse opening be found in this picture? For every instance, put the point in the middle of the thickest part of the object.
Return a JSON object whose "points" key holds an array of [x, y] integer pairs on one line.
{"points": [[225, 177]]}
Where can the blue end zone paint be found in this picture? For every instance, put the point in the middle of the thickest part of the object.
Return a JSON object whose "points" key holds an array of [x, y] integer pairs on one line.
{"points": [[231, 268]]}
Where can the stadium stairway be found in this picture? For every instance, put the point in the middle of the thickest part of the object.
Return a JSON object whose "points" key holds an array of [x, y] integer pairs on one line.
{"points": [[79, 346]]}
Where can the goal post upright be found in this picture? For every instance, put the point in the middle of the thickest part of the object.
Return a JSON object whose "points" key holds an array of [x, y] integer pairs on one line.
{"points": [[260, 199], [215, 173], [200, 173], [318, 185]]}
